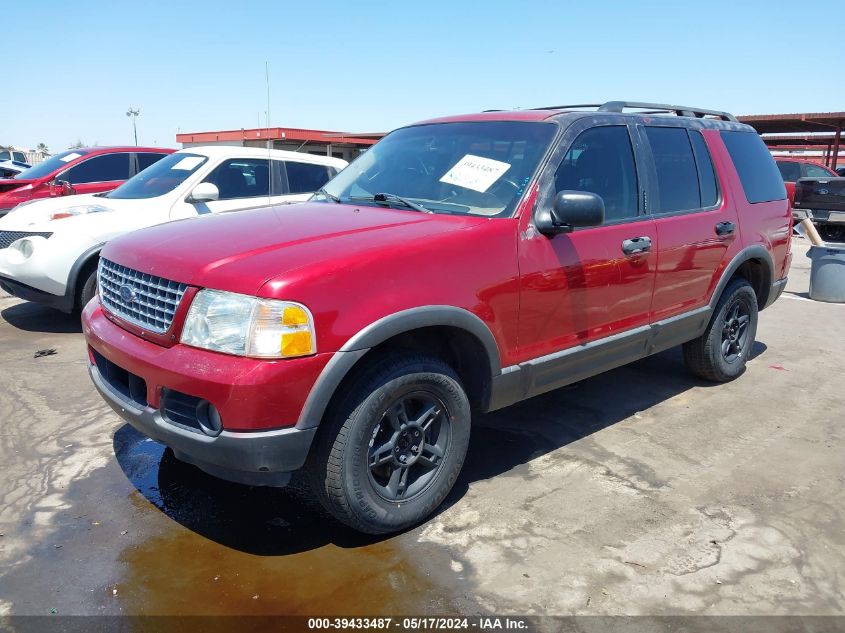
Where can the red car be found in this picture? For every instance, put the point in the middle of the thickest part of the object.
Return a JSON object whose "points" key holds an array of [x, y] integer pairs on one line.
{"points": [[464, 263], [83, 170], [791, 169]]}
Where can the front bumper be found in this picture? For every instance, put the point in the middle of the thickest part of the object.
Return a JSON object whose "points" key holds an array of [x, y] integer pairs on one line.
{"points": [[258, 401], [257, 459], [63, 302]]}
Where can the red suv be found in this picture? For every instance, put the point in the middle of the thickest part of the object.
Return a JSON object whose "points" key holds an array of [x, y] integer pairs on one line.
{"points": [[461, 264], [83, 170]]}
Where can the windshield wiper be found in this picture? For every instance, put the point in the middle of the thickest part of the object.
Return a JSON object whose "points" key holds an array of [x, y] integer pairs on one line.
{"points": [[328, 195], [391, 198]]}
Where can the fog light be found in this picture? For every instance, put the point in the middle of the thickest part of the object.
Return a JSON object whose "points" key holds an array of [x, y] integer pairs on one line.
{"points": [[209, 418]]}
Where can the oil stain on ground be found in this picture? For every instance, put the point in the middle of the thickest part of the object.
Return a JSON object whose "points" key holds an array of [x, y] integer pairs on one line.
{"points": [[234, 549]]}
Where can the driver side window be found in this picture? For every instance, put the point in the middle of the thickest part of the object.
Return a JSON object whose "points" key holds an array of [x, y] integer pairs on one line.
{"points": [[601, 161]]}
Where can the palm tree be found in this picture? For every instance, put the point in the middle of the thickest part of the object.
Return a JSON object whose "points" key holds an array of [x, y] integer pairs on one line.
{"points": [[42, 148]]}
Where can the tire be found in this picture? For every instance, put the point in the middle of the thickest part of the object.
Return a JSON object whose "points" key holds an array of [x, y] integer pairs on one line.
{"points": [[374, 432], [720, 354], [87, 290]]}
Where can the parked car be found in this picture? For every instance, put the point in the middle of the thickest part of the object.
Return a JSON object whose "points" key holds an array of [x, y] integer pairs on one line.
{"points": [[49, 248], [11, 168], [462, 263], [840, 171], [792, 170], [822, 200], [12, 154], [77, 171]]}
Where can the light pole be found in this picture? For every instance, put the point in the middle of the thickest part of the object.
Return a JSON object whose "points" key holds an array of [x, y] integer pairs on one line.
{"points": [[134, 114]]}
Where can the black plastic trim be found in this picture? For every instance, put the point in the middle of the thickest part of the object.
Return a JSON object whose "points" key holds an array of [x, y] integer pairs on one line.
{"points": [[755, 251], [382, 330], [539, 375], [265, 458], [28, 293], [426, 316], [73, 275], [326, 386]]}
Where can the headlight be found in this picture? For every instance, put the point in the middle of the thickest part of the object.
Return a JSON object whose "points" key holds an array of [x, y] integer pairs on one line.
{"points": [[248, 326], [80, 210]]}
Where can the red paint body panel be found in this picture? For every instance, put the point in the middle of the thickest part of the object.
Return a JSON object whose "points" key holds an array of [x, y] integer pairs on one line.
{"points": [[578, 287], [691, 257], [29, 189], [250, 395]]}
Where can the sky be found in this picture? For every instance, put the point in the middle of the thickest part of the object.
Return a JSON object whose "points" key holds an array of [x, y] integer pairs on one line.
{"points": [[360, 66]]}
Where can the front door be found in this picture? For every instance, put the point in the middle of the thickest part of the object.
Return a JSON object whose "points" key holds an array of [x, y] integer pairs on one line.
{"points": [[243, 183], [103, 172], [596, 282]]}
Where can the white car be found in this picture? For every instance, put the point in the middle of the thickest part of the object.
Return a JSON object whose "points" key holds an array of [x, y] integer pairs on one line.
{"points": [[49, 247]]}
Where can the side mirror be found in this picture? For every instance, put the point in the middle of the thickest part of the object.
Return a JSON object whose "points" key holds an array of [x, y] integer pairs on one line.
{"points": [[573, 209], [204, 192], [61, 188]]}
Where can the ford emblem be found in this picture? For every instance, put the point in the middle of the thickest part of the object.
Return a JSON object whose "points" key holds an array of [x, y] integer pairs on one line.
{"points": [[127, 294], [823, 192]]}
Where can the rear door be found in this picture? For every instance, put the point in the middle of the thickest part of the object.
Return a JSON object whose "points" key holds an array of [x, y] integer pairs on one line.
{"points": [[697, 226], [593, 282], [102, 172]]}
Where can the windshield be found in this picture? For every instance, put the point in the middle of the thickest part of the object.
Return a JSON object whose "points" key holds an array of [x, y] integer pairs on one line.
{"points": [[159, 178], [54, 163], [478, 168]]}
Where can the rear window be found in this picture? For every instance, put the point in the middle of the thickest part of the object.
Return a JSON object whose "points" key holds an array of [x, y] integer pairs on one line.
{"points": [[761, 180], [809, 170]]}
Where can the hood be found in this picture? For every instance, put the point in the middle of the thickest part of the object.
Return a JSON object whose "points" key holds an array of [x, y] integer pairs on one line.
{"points": [[241, 251], [35, 215]]}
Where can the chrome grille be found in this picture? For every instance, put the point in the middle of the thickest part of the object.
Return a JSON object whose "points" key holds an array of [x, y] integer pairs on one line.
{"points": [[7, 237], [152, 301]]}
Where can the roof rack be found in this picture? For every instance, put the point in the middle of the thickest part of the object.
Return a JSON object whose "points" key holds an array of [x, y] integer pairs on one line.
{"points": [[654, 108]]}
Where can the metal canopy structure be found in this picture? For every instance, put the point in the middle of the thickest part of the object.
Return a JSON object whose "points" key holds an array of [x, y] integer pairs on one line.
{"points": [[813, 124]]}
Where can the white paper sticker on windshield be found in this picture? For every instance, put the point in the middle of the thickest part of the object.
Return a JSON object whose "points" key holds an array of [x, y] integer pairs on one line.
{"points": [[188, 163], [475, 172], [70, 157]]}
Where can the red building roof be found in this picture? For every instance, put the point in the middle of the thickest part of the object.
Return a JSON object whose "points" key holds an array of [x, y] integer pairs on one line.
{"points": [[280, 134]]}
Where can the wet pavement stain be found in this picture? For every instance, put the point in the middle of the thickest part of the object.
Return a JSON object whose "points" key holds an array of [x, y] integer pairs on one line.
{"points": [[234, 549]]}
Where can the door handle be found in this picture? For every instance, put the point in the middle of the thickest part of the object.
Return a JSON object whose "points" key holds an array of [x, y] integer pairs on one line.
{"points": [[636, 245], [725, 228]]}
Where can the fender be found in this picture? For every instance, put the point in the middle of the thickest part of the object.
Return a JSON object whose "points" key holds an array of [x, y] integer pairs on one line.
{"points": [[380, 331], [755, 251]]}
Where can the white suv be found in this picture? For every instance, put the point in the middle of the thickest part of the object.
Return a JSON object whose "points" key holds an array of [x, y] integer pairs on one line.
{"points": [[49, 248]]}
